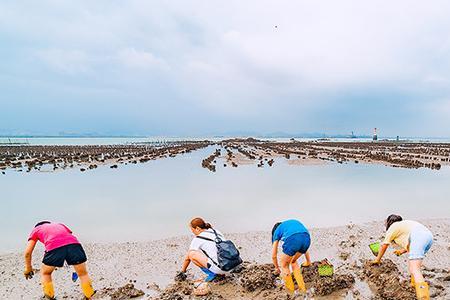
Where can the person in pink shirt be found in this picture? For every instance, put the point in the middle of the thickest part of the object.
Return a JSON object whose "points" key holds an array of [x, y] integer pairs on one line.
{"points": [[60, 246]]}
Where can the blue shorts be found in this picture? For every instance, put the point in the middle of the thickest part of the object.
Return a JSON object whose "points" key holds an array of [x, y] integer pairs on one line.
{"points": [[298, 242], [420, 241]]}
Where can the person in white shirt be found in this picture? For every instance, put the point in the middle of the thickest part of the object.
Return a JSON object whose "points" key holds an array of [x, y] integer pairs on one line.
{"points": [[203, 251]]}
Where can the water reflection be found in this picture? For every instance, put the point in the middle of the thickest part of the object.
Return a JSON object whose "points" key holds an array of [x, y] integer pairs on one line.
{"points": [[156, 200]]}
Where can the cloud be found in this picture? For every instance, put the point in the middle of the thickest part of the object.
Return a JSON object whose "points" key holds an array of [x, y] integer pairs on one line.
{"points": [[132, 58], [66, 61], [254, 65]]}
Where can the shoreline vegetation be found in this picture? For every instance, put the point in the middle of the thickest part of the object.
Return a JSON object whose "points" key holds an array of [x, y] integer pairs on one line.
{"points": [[145, 270], [227, 153]]}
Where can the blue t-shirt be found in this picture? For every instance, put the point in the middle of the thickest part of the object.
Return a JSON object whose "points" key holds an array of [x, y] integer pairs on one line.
{"points": [[288, 228]]}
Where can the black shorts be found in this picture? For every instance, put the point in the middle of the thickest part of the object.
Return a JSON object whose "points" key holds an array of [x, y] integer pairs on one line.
{"points": [[73, 254]]}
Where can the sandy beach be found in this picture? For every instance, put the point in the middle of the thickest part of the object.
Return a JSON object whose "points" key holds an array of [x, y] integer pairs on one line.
{"points": [[150, 268]]}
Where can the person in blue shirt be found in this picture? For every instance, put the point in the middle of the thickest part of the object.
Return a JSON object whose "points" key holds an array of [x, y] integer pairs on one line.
{"points": [[296, 241]]}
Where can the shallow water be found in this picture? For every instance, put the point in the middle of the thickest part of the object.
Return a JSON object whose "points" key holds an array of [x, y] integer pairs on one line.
{"points": [[157, 199]]}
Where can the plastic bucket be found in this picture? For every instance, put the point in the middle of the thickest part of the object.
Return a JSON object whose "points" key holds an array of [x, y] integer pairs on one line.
{"points": [[326, 270], [375, 248]]}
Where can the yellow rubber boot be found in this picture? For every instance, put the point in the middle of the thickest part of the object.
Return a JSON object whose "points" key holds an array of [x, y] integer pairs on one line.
{"points": [[88, 291], [413, 282], [422, 291], [49, 291], [289, 283], [299, 278]]}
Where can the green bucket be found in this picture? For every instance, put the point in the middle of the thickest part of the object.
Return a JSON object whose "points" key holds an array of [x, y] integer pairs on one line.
{"points": [[326, 270], [375, 247]]}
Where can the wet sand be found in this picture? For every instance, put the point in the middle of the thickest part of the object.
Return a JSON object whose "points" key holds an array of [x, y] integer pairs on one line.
{"points": [[146, 269]]}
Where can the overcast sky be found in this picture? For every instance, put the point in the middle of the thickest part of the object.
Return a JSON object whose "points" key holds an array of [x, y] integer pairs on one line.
{"points": [[212, 67]]}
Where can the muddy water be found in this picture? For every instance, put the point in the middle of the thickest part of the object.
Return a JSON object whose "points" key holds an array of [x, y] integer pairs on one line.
{"points": [[156, 199]]}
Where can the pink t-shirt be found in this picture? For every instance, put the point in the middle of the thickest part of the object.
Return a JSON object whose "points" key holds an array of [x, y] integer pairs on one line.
{"points": [[53, 235]]}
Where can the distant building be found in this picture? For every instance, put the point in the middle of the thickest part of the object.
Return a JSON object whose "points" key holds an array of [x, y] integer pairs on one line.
{"points": [[375, 135]]}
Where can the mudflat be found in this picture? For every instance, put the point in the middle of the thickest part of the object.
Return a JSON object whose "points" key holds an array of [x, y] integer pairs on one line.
{"points": [[145, 270]]}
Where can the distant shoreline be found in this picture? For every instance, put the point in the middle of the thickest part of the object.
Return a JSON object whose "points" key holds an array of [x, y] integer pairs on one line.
{"points": [[313, 136]]}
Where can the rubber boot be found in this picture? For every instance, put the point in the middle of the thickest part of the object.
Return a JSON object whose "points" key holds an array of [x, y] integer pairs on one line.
{"points": [[289, 283], [422, 291], [413, 282], [299, 278], [87, 289], [49, 291]]}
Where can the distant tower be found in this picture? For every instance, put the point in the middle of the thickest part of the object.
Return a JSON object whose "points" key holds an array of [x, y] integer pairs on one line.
{"points": [[375, 136]]}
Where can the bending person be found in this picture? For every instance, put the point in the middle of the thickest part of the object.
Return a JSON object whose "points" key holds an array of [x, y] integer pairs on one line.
{"points": [[60, 245], [203, 250], [296, 241], [413, 238]]}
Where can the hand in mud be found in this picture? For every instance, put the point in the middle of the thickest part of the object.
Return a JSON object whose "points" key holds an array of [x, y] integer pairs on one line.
{"points": [[28, 273], [277, 271], [181, 276], [399, 252], [375, 262]]}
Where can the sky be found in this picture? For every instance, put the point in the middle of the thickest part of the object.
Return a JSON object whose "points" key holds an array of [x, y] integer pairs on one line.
{"points": [[225, 67]]}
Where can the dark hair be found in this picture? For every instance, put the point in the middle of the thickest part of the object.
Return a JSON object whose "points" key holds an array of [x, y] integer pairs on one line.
{"points": [[41, 223], [392, 219], [199, 222], [275, 228]]}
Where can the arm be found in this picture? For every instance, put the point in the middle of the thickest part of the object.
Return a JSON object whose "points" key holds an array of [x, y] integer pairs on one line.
{"points": [[400, 252], [28, 255], [275, 256], [381, 253]]}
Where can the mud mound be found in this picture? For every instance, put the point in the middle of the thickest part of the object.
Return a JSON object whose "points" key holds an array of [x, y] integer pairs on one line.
{"points": [[385, 280], [127, 291], [259, 282], [177, 291], [327, 285], [258, 277], [183, 290]]}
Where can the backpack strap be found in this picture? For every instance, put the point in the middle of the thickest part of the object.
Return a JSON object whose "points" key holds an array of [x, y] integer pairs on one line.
{"points": [[211, 258], [218, 239], [204, 238], [210, 240]]}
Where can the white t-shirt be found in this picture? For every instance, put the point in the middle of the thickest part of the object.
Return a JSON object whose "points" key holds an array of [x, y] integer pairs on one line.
{"points": [[209, 247]]}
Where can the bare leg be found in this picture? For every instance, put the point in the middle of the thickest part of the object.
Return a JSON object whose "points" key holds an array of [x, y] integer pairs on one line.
{"points": [[285, 261], [298, 272], [414, 266], [46, 280], [46, 273], [307, 263], [294, 263], [422, 287], [82, 272], [86, 285], [198, 258]]}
